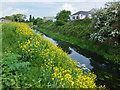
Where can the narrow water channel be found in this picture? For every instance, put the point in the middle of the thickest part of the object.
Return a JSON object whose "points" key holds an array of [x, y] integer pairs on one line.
{"points": [[107, 72]]}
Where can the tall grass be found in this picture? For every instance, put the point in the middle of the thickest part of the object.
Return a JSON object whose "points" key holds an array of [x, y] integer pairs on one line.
{"points": [[30, 61], [79, 28]]}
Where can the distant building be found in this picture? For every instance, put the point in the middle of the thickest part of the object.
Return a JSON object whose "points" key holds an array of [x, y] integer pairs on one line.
{"points": [[82, 14], [4, 20], [49, 18], [53, 20]]}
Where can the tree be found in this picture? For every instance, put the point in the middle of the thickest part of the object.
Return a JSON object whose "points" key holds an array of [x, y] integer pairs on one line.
{"points": [[26, 21], [30, 19], [35, 22], [106, 22], [62, 17], [8, 17], [39, 21], [33, 19], [19, 17]]}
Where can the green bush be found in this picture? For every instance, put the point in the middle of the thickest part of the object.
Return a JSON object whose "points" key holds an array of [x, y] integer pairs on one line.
{"points": [[59, 22]]}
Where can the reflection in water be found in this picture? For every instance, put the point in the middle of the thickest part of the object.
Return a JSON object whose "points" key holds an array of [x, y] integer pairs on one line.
{"points": [[80, 58], [64, 46], [107, 72], [73, 54]]}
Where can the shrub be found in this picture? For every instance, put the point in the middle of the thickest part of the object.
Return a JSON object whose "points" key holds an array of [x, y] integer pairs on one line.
{"points": [[103, 20], [59, 22]]}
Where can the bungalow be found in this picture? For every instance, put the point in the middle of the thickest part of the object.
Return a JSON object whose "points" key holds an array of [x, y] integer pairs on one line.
{"points": [[82, 14]]}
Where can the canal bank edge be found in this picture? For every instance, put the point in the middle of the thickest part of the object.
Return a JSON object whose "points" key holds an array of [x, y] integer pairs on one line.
{"points": [[84, 44]]}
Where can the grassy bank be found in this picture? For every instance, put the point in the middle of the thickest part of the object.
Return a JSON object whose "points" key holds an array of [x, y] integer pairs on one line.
{"points": [[110, 52], [30, 61], [77, 28]]}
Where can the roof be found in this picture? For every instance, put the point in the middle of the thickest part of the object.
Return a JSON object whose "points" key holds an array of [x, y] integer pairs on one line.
{"points": [[93, 10], [82, 12], [2, 18]]}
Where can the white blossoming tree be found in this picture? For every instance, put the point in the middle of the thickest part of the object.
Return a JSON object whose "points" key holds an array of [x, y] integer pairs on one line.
{"points": [[107, 23]]}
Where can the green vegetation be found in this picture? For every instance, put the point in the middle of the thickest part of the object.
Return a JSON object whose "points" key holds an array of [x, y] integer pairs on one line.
{"points": [[109, 52], [0, 53], [106, 23], [77, 28], [30, 61], [16, 17], [62, 17], [30, 19], [101, 34]]}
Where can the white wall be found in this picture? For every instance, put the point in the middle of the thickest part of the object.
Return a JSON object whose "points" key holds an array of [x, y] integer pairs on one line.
{"points": [[90, 16], [80, 16]]}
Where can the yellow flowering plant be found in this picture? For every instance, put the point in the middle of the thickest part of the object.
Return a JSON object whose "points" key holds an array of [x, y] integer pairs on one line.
{"points": [[50, 65]]}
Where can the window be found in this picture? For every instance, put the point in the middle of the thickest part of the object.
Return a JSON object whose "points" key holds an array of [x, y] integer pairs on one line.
{"points": [[73, 17], [77, 17]]}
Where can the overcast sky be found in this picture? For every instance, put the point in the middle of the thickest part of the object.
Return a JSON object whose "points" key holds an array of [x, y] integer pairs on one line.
{"points": [[44, 8]]}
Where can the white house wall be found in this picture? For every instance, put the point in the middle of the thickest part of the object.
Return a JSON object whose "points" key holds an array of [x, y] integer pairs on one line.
{"points": [[71, 17], [82, 16], [75, 17], [90, 16]]}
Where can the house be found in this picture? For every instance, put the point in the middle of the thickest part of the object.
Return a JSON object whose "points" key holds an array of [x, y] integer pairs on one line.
{"points": [[82, 14], [4, 20], [49, 18]]}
